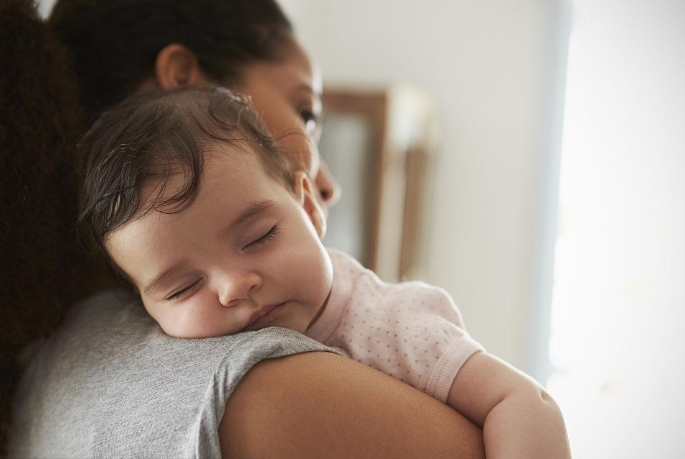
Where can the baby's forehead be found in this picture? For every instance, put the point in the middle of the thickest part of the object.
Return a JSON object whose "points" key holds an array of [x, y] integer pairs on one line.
{"points": [[225, 173], [249, 156], [262, 160], [230, 150]]}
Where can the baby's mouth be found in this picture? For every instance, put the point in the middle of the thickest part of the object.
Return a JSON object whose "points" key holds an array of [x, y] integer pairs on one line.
{"points": [[263, 316]]}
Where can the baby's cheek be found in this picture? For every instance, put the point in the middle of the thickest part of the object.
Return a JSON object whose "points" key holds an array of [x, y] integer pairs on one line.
{"points": [[182, 321], [320, 271]]}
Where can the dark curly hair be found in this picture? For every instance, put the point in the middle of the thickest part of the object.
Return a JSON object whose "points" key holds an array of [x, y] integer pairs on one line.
{"points": [[114, 43], [43, 268], [154, 135]]}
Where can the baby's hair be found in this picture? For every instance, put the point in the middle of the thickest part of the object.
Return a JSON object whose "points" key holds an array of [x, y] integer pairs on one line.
{"points": [[154, 135]]}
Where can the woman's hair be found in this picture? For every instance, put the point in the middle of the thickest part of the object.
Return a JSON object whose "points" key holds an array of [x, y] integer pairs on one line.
{"points": [[114, 43], [155, 135], [43, 267]]}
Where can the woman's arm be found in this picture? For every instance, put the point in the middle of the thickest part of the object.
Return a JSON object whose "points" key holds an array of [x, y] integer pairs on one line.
{"points": [[318, 405]]}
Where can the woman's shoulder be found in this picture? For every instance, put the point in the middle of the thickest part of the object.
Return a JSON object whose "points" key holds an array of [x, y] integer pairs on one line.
{"points": [[102, 308], [112, 375]]}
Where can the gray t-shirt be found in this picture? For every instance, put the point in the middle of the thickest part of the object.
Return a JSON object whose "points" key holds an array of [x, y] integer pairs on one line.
{"points": [[110, 384]]}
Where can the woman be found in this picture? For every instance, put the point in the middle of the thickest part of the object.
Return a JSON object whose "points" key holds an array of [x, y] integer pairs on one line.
{"points": [[42, 269], [246, 46], [130, 391]]}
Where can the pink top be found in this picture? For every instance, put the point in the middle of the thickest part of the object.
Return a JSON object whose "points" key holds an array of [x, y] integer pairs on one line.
{"points": [[411, 331]]}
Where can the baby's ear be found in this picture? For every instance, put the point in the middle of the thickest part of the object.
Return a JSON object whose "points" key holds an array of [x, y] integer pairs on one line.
{"points": [[305, 193], [177, 66]]}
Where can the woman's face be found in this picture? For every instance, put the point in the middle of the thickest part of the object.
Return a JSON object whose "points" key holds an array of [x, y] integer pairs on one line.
{"points": [[287, 95]]}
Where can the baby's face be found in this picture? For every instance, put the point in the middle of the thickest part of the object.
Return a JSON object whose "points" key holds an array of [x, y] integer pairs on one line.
{"points": [[245, 255]]}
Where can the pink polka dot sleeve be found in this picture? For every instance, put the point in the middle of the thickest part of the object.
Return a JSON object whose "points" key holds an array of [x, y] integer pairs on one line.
{"points": [[411, 331]]}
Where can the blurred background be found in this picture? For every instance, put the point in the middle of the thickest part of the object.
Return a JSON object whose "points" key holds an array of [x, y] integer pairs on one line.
{"points": [[552, 202]]}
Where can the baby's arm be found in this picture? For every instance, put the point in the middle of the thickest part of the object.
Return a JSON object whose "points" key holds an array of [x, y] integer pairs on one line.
{"points": [[519, 419]]}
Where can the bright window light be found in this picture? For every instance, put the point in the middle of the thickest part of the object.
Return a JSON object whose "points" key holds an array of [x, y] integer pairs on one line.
{"points": [[618, 311]]}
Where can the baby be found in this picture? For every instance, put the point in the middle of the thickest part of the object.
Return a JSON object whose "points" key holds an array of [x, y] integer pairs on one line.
{"points": [[200, 213]]}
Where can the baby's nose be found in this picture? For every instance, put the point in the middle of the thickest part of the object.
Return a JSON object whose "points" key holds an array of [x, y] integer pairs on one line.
{"points": [[237, 287]]}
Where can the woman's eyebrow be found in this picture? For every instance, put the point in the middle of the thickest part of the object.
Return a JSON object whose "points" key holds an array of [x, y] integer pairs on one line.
{"points": [[305, 87]]}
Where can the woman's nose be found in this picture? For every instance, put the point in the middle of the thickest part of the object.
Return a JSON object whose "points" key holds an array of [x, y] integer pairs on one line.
{"points": [[236, 287], [329, 189]]}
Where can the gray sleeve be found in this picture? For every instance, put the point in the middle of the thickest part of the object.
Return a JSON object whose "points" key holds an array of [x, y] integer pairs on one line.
{"points": [[110, 383]]}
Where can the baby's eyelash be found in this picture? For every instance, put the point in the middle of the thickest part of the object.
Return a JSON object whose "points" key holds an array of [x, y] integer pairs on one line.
{"points": [[185, 291], [272, 233]]}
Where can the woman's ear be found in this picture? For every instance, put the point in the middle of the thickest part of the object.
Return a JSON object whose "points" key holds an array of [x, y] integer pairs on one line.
{"points": [[306, 195], [177, 66]]}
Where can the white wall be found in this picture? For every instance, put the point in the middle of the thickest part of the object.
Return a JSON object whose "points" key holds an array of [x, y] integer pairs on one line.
{"points": [[491, 64]]}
